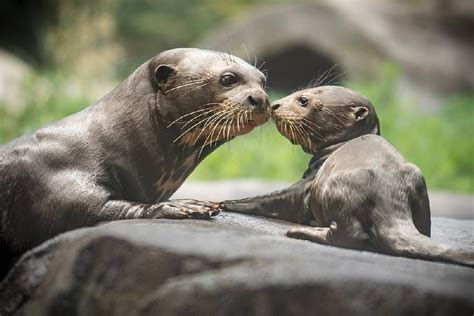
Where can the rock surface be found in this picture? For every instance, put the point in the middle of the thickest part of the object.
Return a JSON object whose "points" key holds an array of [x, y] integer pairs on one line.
{"points": [[234, 264]]}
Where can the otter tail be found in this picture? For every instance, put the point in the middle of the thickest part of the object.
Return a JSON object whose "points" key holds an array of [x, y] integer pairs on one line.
{"points": [[403, 239]]}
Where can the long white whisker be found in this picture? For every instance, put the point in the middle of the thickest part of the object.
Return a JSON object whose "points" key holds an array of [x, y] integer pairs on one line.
{"points": [[196, 124], [195, 88], [188, 114], [190, 83]]}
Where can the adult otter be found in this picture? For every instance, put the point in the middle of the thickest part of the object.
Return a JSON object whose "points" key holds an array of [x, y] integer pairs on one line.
{"points": [[358, 190], [124, 156]]}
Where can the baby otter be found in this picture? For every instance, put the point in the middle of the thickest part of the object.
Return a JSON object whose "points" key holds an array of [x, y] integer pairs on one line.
{"points": [[358, 190]]}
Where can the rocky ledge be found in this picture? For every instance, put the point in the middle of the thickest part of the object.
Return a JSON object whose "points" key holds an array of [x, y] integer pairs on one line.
{"points": [[232, 265]]}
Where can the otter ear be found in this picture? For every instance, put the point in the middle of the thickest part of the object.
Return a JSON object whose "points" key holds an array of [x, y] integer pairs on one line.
{"points": [[360, 112], [163, 73]]}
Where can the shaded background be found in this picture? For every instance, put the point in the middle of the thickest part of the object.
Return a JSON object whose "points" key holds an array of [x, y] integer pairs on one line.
{"points": [[412, 59]]}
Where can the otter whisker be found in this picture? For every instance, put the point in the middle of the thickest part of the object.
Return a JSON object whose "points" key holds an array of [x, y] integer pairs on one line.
{"points": [[296, 133], [189, 83], [195, 88], [310, 122], [331, 80], [196, 124], [188, 114], [231, 125], [213, 128], [284, 128], [237, 115], [317, 134], [208, 123], [304, 135], [196, 117], [247, 52], [328, 111], [241, 117], [302, 122], [214, 124], [225, 120], [321, 77], [290, 125], [224, 128]]}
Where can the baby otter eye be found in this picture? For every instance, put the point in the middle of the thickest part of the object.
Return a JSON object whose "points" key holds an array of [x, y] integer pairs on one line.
{"points": [[229, 79], [303, 101]]}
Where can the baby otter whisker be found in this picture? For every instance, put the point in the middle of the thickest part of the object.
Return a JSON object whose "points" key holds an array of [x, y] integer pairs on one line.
{"points": [[330, 112], [310, 123], [321, 77], [312, 130], [305, 135], [290, 125]]}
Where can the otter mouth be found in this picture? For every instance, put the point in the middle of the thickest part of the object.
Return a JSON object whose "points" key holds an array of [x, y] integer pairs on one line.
{"points": [[217, 124], [297, 130]]}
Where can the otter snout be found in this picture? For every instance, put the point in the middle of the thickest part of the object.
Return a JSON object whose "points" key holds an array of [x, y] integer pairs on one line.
{"points": [[258, 98], [275, 106]]}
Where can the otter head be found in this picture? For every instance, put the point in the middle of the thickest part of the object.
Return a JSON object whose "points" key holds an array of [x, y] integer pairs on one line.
{"points": [[320, 117], [206, 98]]}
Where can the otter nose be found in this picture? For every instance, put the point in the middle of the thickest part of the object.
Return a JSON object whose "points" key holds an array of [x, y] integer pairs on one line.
{"points": [[258, 99], [275, 106]]}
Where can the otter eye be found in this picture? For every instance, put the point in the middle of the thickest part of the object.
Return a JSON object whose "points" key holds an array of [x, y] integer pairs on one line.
{"points": [[303, 101], [229, 79]]}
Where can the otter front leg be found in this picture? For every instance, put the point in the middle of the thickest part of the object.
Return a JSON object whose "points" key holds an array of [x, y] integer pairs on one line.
{"points": [[286, 204], [174, 209]]}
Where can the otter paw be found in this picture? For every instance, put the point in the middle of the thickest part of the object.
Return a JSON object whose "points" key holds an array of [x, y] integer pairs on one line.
{"points": [[189, 209]]}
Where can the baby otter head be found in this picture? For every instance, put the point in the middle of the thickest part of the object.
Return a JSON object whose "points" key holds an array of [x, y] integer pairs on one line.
{"points": [[208, 97], [320, 117]]}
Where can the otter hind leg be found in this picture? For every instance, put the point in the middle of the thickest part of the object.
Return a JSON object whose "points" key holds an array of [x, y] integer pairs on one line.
{"points": [[328, 236], [314, 234]]}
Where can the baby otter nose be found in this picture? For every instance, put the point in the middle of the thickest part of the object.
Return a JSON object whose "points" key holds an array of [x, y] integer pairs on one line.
{"points": [[258, 99], [275, 106]]}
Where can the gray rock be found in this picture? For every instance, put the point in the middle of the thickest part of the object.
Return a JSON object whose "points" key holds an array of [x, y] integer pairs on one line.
{"points": [[232, 265]]}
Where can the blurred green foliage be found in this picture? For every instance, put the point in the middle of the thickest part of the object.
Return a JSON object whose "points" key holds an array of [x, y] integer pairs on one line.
{"points": [[46, 100], [439, 143]]}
